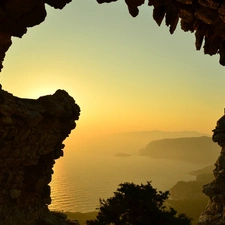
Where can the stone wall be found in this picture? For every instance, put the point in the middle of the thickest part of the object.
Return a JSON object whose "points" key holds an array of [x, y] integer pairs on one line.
{"points": [[32, 134]]}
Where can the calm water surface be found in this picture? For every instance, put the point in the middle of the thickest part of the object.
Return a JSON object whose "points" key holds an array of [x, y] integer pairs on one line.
{"points": [[80, 180]]}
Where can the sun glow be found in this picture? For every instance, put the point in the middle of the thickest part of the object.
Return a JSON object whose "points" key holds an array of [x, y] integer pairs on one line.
{"points": [[41, 91]]}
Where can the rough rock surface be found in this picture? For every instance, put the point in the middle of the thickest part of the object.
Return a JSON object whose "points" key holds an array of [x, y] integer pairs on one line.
{"points": [[31, 134], [206, 18], [214, 213], [17, 15]]}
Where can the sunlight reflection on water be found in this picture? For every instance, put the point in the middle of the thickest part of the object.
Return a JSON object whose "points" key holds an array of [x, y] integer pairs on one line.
{"points": [[79, 182]]}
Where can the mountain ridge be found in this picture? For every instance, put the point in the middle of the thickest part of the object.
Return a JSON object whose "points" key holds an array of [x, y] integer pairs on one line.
{"points": [[194, 149]]}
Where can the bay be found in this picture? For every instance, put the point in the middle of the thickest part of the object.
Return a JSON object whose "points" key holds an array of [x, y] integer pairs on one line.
{"points": [[80, 180]]}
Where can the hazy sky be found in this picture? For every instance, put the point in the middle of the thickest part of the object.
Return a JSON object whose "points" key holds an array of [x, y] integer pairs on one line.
{"points": [[127, 74]]}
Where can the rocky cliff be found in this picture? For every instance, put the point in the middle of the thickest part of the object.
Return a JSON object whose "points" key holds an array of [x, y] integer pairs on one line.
{"points": [[186, 149], [17, 15], [214, 213], [190, 189], [32, 134], [206, 18]]}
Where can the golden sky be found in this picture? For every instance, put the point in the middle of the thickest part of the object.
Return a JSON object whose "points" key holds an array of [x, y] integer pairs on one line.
{"points": [[126, 74]]}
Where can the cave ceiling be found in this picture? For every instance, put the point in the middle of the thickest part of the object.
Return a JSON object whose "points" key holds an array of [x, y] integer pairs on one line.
{"points": [[204, 18]]}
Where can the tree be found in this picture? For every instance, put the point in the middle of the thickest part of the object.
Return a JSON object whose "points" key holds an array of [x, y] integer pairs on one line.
{"points": [[137, 205]]}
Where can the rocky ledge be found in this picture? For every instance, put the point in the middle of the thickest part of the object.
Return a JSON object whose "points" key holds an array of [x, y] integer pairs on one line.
{"points": [[31, 134]]}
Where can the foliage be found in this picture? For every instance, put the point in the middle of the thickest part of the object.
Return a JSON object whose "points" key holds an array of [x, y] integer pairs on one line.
{"points": [[137, 205]]}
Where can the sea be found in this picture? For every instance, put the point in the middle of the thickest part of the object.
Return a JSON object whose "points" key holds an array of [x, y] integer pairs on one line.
{"points": [[79, 181]]}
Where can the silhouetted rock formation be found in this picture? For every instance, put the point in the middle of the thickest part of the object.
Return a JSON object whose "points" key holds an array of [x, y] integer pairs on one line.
{"points": [[17, 15], [204, 17], [31, 133], [214, 213]]}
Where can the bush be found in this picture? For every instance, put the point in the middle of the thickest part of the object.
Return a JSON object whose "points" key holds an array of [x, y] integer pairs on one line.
{"points": [[137, 205]]}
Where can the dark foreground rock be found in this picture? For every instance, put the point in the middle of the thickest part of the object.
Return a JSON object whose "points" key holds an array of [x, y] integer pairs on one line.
{"points": [[214, 213], [31, 134], [206, 18], [17, 15]]}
